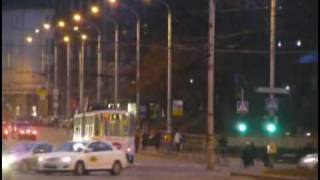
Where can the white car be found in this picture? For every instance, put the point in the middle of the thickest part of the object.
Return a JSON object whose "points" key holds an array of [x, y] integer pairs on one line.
{"points": [[83, 157], [26, 154], [309, 161]]}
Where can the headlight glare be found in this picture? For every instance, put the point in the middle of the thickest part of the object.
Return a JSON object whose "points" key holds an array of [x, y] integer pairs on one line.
{"points": [[66, 159], [7, 160]]}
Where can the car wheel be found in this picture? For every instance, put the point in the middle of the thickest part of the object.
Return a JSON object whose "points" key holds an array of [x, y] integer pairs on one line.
{"points": [[24, 167], [116, 168], [80, 168]]}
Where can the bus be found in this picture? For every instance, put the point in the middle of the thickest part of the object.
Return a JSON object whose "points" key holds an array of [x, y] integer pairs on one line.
{"points": [[115, 126]]}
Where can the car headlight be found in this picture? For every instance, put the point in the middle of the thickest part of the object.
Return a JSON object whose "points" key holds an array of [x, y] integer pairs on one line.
{"points": [[7, 160], [40, 159], [66, 159], [309, 160]]}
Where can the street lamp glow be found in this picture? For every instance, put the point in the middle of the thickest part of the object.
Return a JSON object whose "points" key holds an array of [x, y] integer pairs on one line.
{"points": [[61, 24], [46, 26], [308, 134], [66, 39], [95, 9], [112, 1], [77, 17], [76, 28], [279, 44], [287, 88], [29, 39], [191, 80], [298, 43], [84, 37], [37, 31]]}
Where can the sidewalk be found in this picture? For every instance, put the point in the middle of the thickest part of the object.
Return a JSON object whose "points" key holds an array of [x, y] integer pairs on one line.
{"points": [[233, 168]]}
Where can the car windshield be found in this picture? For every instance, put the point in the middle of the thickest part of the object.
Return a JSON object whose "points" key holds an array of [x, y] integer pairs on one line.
{"points": [[71, 147], [23, 148]]}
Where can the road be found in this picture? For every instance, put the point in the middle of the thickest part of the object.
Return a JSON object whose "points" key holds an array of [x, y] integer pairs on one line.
{"points": [[145, 168]]}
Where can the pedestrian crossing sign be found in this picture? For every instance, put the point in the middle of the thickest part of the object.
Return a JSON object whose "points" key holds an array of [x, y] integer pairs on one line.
{"points": [[242, 107], [272, 104]]}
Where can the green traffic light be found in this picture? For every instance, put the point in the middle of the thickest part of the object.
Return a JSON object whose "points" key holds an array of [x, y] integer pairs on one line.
{"points": [[271, 127], [242, 127]]}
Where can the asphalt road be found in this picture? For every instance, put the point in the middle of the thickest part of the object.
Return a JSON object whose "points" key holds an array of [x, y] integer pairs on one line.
{"points": [[145, 168]]}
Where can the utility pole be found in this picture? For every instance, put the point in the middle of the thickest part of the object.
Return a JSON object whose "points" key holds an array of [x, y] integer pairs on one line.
{"points": [[272, 46], [55, 90], [68, 81], [138, 46], [116, 56], [210, 115], [99, 69], [169, 121]]}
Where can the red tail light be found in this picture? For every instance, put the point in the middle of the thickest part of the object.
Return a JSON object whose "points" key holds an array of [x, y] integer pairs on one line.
{"points": [[6, 132], [34, 132], [22, 132]]}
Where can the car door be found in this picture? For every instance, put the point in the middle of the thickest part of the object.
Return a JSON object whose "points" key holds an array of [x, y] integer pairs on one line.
{"points": [[39, 149], [106, 155], [91, 157]]}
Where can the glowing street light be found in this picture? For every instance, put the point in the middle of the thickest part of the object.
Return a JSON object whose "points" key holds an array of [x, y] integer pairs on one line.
{"points": [[299, 43], [29, 39], [112, 1], [37, 31], [77, 17], [75, 28], [287, 87], [84, 37], [66, 39], [46, 26], [95, 9], [61, 24]]}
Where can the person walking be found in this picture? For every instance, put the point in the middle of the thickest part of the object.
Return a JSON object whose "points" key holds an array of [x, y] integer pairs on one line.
{"points": [[157, 140], [177, 141], [137, 141], [252, 152], [145, 137]]}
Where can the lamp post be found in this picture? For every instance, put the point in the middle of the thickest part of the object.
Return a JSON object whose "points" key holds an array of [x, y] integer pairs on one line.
{"points": [[138, 55], [66, 39], [169, 70]]}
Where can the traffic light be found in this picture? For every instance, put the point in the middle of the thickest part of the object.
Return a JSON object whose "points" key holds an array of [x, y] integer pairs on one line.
{"points": [[242, 127], [271, 127]]}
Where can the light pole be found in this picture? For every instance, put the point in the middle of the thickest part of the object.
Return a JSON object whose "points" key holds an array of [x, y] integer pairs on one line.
{"points": [[138, 55], [169, 39], [81, 72], [211, 80], [66, 39]]}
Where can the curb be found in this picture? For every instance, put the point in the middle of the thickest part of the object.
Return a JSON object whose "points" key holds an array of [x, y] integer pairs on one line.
{"points": [[269, 177]]}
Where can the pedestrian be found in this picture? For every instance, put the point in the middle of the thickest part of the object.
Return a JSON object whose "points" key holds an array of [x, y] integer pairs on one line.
{"points": [[145, 137], [223, 143], [245, 155], [252, 152], [177, 141], [137, 141], [157, 140]]}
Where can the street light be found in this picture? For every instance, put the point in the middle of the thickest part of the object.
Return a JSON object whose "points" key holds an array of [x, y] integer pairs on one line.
{"points": [[46, 26], [77, 17], [29, 39], [169, 24], [94, 9], [75, 28], [138, 50], [66, 39], [37, 31], [61, 24]]}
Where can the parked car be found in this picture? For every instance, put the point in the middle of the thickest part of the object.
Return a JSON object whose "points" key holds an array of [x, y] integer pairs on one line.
{"points": [[7, 161]]}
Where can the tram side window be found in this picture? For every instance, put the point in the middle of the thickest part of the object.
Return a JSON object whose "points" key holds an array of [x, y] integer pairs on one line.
{"points": [[124, 125]]}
